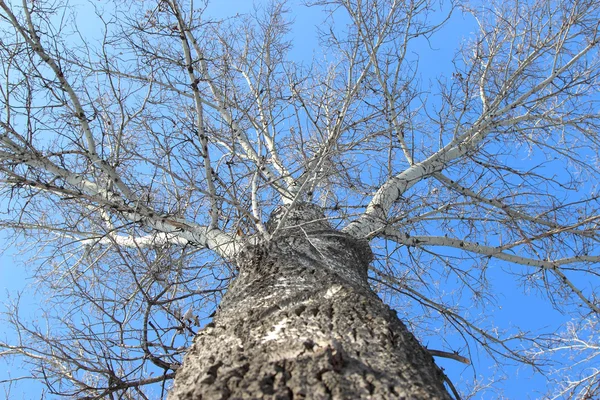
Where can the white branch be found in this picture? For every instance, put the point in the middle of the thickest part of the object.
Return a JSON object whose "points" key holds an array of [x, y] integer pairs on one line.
{"points": [[214, 212], [223, 244], [240, 134], [32, 38], [376, 213], [552, 266]]}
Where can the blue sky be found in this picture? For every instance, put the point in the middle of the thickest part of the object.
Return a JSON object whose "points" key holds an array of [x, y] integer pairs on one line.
{"points": [[527, 310]]}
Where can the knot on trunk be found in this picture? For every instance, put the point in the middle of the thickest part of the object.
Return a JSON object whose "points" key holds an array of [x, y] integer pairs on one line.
{"points": [[304, 240], [301, 216]]}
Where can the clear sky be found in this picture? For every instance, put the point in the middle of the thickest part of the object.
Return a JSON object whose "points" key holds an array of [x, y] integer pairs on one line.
{"points": [[527, 310]]}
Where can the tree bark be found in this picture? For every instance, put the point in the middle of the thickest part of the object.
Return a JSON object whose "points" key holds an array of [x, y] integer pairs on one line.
{"points": [[300, 321]]}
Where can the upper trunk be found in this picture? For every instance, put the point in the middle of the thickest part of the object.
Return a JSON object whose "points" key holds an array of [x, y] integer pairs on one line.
{"points": [[300, 321]]}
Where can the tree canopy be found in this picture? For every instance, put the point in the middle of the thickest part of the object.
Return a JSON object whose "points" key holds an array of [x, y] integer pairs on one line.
{"points": [[138, 156]]}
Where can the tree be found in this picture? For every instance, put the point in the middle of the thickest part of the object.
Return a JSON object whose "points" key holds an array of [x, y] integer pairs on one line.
{"points": [[185, 176]]}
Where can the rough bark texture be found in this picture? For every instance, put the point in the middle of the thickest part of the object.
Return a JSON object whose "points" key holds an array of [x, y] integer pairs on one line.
{"points": [[300, 321]]}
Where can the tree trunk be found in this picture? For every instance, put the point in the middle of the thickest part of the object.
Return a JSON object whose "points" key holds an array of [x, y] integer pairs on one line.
{"points": [[300, 321]]}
